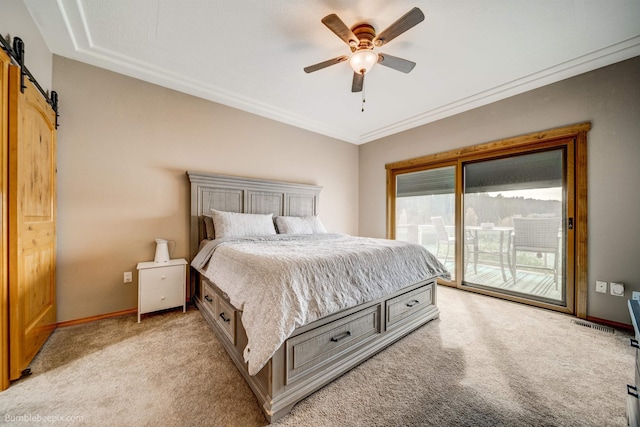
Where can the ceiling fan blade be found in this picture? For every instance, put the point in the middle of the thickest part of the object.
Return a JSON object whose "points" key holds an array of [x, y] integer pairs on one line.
{"points": [[336, 25], [396, 63], [325, 64], [406, 22], [358, 82]]}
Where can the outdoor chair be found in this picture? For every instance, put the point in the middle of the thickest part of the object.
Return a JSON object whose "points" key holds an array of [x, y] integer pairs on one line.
{"points": [[539, 236], [444, 239]]}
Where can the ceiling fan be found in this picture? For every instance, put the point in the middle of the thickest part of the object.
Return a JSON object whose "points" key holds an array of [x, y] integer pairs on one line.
{"points": [[362, 39]]}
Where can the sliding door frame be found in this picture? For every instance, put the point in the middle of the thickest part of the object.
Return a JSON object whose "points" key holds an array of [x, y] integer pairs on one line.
{"points": [[576, 206]]}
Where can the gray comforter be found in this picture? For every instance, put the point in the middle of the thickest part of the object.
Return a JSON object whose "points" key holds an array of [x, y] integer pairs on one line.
{"points": [[282, 282]]}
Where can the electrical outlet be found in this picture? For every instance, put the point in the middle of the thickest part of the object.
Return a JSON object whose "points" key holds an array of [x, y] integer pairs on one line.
{"points": [[601, 286], [617, 289], [128, 278], [635, 295]]}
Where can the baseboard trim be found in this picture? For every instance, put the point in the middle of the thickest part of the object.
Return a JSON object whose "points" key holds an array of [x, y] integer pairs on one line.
{"points": [[98, 317], [102, 316], [611, 323]]}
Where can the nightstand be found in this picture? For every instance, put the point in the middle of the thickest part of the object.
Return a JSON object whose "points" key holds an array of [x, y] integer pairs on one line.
{"points": [[161, 285]]}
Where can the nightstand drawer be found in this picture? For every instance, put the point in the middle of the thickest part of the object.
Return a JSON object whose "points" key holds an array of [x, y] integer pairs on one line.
{"points": [[170, 274], [161, 288]]}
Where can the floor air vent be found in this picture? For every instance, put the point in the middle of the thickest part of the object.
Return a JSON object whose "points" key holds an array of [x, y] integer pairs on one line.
{"points": [[594, 326]]}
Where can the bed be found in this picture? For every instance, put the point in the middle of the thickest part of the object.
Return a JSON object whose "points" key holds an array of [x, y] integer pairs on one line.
{"points": [[299, 308]]}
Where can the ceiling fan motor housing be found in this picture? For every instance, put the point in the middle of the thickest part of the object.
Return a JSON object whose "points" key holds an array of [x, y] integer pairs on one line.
{"points": [[365, 33]]}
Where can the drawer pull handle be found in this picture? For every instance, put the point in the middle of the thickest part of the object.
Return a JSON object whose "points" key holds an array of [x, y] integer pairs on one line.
{"points": [[225, 319], [633, 393], [208, 298], [634, 343], [413, 303], [341, 336]]}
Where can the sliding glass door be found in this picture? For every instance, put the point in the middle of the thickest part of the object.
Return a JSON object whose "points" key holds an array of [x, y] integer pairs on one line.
{"points": [[507, 218], [514, 218]]}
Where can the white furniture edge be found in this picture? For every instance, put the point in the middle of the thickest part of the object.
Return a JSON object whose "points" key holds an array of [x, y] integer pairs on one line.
{"points": [[144, 265]]}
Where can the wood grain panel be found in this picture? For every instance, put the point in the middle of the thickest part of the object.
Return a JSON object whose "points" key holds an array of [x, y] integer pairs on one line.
{"points": [[223, 200], [37, 272], [300, 205], [36, 151], [311, 350], [4, 224], [32, 215], [581, 232], [499, 145], [407, 305], [264, 202]]}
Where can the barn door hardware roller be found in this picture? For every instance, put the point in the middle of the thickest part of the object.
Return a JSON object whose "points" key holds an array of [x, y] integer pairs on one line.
{"points": [[17, 54]]}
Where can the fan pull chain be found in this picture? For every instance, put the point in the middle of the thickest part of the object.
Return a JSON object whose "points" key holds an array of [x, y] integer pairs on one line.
{"points": [[363, 100]]}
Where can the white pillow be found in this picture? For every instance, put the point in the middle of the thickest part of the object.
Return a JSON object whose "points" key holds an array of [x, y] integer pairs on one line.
{"points": [[299, 225], [232, 224]]}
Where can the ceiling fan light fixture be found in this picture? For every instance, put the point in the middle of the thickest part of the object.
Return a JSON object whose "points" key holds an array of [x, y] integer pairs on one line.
{"points": [[363, 60]]}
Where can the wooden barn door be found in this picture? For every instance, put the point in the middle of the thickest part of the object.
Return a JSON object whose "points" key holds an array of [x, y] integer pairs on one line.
{"points": [[4, 231], [32, 222]]}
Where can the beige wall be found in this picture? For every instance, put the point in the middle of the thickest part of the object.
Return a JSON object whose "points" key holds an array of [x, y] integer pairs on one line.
{"points": [[610, 99], [123, 149], [124, 146]]}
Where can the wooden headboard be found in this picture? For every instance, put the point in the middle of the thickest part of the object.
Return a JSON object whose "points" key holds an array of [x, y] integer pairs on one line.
{"points": [[245, 195]]}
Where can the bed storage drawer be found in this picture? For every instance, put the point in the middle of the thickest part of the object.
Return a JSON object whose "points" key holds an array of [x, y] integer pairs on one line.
{"points": [[312, 349], [220, 310], [407, 305], [209, 297], [225, 315]]}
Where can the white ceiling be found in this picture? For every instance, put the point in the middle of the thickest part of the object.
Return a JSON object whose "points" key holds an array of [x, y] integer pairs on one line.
{"points": [[250, 54]]}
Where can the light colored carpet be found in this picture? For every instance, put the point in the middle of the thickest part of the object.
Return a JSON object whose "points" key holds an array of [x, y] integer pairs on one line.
{"points": [[485, 362]]}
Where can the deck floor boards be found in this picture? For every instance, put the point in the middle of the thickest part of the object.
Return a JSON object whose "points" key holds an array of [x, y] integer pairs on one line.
{"points": [[529, 283]]}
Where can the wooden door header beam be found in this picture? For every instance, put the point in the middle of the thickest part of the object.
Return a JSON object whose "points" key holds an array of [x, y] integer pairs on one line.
{"points": [[516, 141]]}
